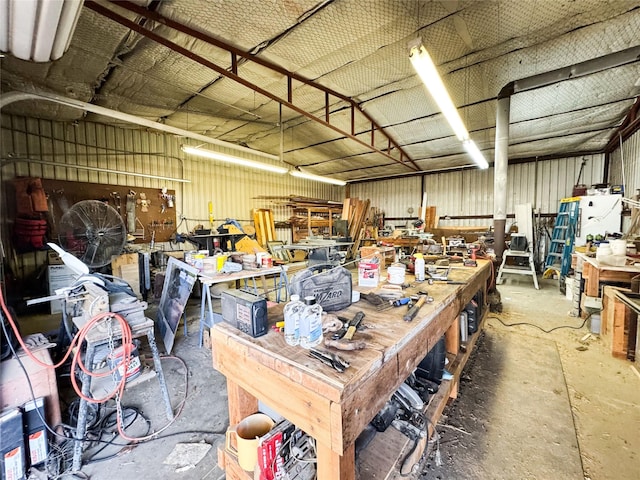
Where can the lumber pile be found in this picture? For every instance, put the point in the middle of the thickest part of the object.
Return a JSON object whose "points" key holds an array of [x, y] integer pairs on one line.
{"points": [[313, 215], [356, 212]]}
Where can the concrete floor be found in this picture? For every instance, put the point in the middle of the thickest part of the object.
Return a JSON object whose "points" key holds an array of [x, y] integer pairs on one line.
{"points": [[532, 405]]}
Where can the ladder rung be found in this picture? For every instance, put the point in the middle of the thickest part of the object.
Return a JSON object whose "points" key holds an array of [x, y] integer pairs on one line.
{"points": [[553, 254], [558, 240]]}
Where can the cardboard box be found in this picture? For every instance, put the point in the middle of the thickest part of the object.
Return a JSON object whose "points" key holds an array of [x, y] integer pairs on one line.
{"points": [[60, 276], [368, 274], [371, 255]]}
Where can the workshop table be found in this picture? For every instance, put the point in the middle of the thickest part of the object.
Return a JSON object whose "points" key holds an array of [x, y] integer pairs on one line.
{"points": [[208, 317], [595, 272], [335, 407]]}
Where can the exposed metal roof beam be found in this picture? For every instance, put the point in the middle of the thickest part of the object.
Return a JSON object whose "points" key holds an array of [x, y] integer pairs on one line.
{"points": [[630, 125], [233, 74]]}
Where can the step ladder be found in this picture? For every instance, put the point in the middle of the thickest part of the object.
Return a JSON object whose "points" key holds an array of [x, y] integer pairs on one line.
{"points": [[562, 238]]}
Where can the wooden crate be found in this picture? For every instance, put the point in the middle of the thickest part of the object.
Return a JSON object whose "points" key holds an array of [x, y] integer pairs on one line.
{"points": [[615, 322], [14, 390]]}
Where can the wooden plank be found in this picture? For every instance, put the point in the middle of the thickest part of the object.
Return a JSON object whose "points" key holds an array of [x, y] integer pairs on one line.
{"points": [[332, 466], [592, 283], [452, 338], [346, 205], [619, 339], [241, 403]]}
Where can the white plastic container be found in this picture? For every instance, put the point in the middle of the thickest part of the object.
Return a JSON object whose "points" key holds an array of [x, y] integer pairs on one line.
{"points": [[395, 274], [618, 247], [292, 312], [419, 267], [603, 251], [311, 323]]}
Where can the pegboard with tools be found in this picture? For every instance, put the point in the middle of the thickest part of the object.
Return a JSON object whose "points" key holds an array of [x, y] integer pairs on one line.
{"points": [[149, 214]]}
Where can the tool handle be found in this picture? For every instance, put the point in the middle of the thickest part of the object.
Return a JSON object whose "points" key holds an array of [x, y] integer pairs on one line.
{"points": [[401, 301], [353, 325], [414, 310]]}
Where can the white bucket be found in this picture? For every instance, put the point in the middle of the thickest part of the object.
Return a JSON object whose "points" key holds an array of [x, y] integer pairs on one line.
{"points": [[618, 247], [603, 251], [395, 274]]}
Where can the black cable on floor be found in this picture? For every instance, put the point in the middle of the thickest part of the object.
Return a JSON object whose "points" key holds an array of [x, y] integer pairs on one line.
{"points": [[539, 327]]}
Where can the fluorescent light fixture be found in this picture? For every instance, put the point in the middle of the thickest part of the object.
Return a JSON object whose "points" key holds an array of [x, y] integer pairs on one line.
{"points": [[317, 178], [475, 153], [421, 61], [38, 30], [243, 162]]}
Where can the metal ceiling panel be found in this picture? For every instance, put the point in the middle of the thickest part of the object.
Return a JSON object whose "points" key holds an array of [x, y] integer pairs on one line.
{"points": [[245, 24], [358, 48]]}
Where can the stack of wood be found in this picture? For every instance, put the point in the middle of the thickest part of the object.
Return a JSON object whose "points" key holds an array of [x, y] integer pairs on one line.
{"points": [[355, 211], [309, 213]]}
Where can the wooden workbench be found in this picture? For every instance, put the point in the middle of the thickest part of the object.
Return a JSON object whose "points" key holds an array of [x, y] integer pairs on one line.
{"points": [[335, 407], [595, 273]]}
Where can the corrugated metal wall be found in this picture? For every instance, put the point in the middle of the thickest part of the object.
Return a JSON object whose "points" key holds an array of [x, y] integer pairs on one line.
{"points": [[624, 168], [469, 193], [234, 191], [393, 197]]}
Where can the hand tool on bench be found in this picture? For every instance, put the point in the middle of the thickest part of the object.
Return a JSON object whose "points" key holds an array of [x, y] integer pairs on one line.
{"points": [[349, 326], [410, 315], [347, 345], [331, 359]]}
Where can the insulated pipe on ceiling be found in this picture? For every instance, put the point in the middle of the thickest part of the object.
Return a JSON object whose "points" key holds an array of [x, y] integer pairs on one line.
{"points": [[11, 97], [613, 60]]}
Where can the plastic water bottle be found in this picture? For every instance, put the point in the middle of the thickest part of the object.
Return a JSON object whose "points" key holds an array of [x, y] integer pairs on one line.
{"points": [[311, 323], [292, 313], [419, 267]]}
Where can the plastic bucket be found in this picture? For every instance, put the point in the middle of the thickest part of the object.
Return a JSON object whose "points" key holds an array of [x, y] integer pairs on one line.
{"points": [[618, 247], [395, 274]]}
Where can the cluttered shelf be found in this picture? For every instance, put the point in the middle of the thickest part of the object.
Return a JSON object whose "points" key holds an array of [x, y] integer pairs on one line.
{"points": [[395, 445], [335, 407]]}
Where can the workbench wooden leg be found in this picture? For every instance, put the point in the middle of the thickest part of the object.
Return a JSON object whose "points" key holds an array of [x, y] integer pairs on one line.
{"points": [[332, 466], [241, 403], [592, 283], [452, 338]]}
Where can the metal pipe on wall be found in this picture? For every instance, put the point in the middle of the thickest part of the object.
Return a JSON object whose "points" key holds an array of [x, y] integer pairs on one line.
{"points": [[7, 161], [11, 97]]}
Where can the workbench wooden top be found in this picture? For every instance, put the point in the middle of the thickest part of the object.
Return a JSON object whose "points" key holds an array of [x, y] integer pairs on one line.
{"points": [[603, 266], [334, 407]]}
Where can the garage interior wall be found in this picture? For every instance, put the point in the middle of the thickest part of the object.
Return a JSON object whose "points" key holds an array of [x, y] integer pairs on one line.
{"points": [[627, 160], [234, 191], [469, 193]]}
